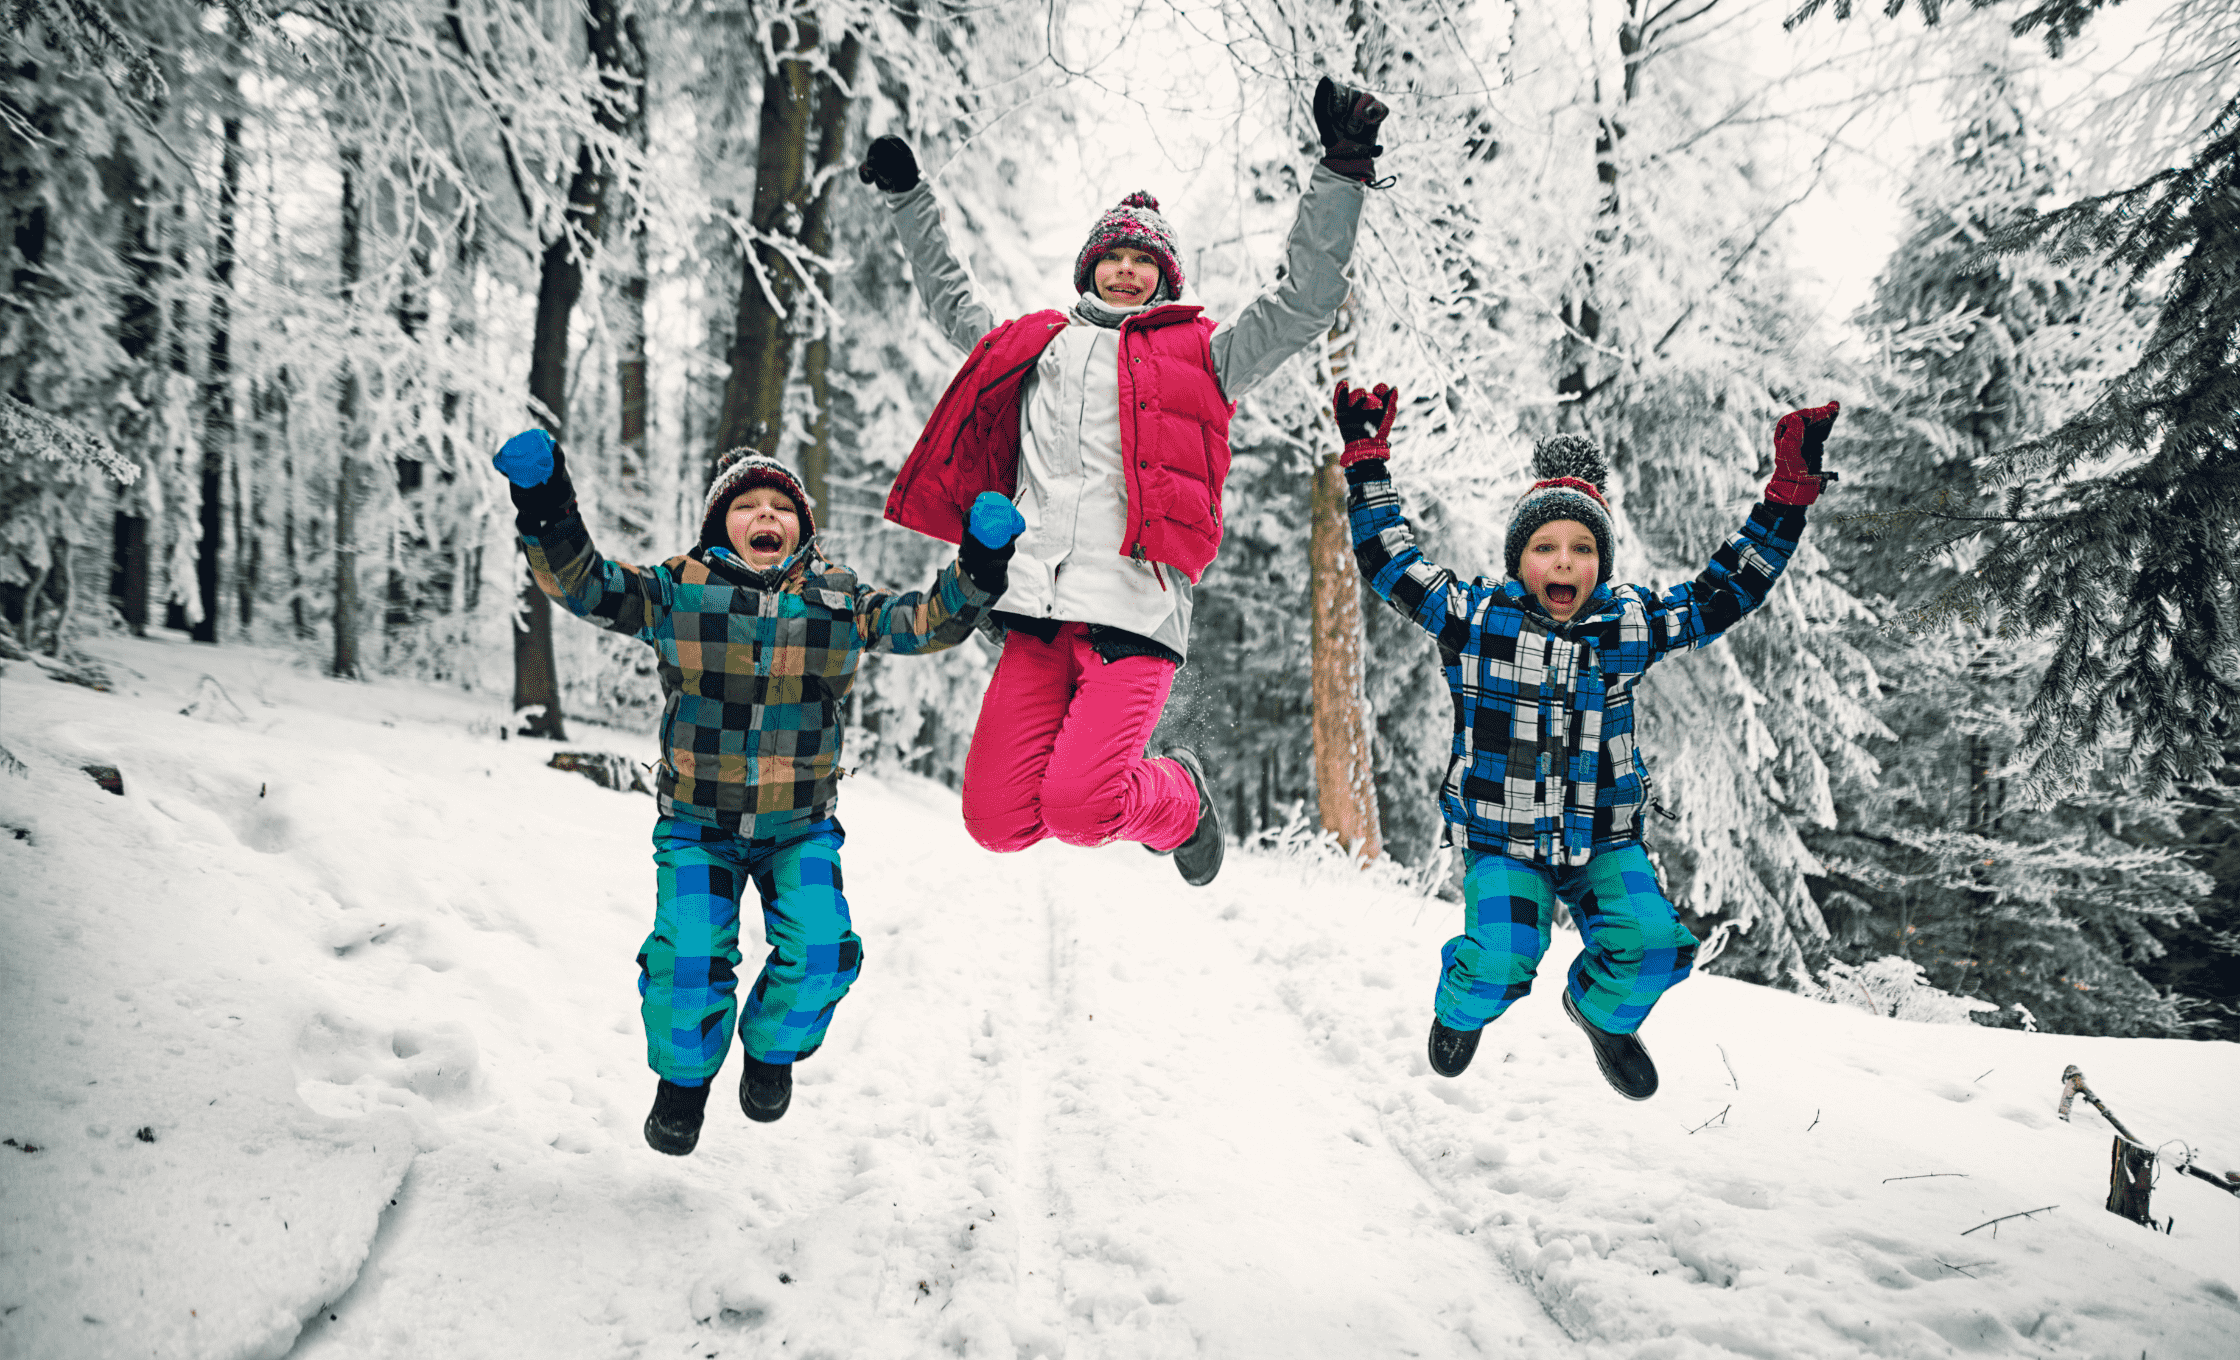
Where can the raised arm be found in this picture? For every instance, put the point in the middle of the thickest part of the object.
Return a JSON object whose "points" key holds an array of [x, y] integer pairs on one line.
{"points": [[938, 618], [1741, 573], [562, 558], [1392, 564], [1286, 319], [943, 282]]}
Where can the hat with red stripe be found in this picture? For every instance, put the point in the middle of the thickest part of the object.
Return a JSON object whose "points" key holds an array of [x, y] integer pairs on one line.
{"points": [[1572, 474]]}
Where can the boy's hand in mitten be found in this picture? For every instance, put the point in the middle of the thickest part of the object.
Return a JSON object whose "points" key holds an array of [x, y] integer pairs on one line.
{"points": [[990, 528], [1798, 439], [537, 475], [890, 165], [995, 521], [1347, 121], [1365, 419]]}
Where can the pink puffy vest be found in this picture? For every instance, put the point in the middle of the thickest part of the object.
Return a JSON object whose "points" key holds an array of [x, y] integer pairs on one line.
{"points": [[1174, 431]]}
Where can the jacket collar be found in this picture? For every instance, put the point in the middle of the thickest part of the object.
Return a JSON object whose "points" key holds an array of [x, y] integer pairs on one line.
{"points": [[722, 562], [1602, 604]]}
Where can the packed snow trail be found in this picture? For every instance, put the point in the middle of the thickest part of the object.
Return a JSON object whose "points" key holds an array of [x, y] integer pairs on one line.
{"points": [[364, 972]]}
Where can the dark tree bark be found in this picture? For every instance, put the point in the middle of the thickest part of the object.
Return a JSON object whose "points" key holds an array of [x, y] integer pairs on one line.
{"points": [[536, 680], [346, 495], [217, 387], [835, 93]]}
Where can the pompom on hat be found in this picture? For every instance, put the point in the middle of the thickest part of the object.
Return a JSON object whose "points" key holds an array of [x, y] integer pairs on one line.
{"points": [[1571, 474], [743, 470], [1135, 222]]}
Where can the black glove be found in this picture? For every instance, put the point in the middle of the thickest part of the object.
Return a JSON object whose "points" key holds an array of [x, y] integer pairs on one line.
{"points": [[989, 568], [889, 165], [546, 503], [1347, 120]]}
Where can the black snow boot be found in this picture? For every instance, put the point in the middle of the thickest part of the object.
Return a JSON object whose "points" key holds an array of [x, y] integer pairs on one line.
{"points": [[1199, 858], [1624, 1062], [1452, 1049], [765, 1090], [674, 1125]]}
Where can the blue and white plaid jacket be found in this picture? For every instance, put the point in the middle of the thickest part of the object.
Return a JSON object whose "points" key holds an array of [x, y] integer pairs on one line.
{"points": [[1544, 766]]}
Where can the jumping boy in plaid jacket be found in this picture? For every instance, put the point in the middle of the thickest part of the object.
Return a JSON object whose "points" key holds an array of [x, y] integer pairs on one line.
{"points": [[759, 637], [1546, 788]]}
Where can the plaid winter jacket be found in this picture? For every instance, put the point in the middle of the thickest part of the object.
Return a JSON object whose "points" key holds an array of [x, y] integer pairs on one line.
{"points": [[754, 677], [1544, 766]]}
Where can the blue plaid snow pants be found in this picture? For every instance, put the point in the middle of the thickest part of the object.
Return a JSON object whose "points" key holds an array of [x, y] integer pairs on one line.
{"points": [[1636, 948], [688, 967]]}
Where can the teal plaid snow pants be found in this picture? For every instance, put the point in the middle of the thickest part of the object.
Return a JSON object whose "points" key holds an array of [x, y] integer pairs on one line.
{"points": [[1636, 949], [688, 967]]}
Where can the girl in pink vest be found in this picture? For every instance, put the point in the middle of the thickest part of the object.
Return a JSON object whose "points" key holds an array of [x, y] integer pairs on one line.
{"points": [[1108, 424]]}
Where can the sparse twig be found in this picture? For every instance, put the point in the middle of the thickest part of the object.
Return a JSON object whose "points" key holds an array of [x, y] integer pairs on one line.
{"points": [[1730, 1066], [1719, 1118], [1993, 1223], [1815, 1122], [1964, 1270], [1986, 1072], [1926, 1175]]}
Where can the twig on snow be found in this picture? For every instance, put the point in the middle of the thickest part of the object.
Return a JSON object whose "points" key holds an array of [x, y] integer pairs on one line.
{"points": [[2004, 1217], [1923, 1176], [1730, 1066], [1963, 1269], [1718, 1118], [1815, 1122], [1986, 1072]]}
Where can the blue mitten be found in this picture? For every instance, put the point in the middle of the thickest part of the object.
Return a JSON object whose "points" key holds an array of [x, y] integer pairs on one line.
{"points": [[526, 459], [995, 521]]}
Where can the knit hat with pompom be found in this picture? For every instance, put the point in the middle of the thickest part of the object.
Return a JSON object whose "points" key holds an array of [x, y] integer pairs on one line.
{"points": [[1136, 222], [743, 470], [1572, 475]]}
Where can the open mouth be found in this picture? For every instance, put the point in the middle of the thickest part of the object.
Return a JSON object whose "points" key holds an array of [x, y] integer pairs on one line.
{"points": [[1562, 595], [765, 542]]}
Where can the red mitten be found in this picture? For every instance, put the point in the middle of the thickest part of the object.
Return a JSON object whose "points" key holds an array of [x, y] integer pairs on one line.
{"points": [[1798, 438], [1365, 419]]}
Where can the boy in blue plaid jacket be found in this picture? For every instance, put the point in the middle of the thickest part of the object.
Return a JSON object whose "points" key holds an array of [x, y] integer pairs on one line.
{"points": [[1546, 789], [759, 637]]}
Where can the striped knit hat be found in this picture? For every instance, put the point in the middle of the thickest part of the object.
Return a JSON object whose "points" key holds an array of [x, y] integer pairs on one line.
{"points": [[741, 470], [1572, 474], [1136, 222]]}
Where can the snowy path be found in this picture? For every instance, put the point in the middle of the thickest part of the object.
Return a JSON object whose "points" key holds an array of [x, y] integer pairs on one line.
{"points": [[354, 949]]}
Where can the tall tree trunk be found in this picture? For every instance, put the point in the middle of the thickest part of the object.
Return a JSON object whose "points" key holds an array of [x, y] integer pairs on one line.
{"points": [[345, 611], [536, 677], [769, 289], [834, 95], [634, 493], [1344, 728], [217, 387]]}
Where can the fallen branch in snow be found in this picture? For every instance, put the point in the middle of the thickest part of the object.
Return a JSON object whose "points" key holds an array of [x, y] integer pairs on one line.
{"points": [[1963, 1269], [2073, 1084], [1992, 1224], [1815, 1122], [1730, 1066], [1721, 1118], [1924, 1176]]}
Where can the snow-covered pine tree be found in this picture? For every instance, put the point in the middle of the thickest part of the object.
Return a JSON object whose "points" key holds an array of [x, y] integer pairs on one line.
{"points": [[2051, 909]]}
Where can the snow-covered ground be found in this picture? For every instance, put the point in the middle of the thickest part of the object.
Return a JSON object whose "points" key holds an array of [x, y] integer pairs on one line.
{"points": [[322, 1040]]}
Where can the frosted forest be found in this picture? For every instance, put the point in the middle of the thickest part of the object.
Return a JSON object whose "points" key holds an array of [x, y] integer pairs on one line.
{"points": [[280, 278]]}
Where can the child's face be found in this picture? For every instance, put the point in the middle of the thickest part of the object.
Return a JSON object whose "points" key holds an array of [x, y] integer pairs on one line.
{"points": [[763, 526], [1560, 566], [1126, 276]]}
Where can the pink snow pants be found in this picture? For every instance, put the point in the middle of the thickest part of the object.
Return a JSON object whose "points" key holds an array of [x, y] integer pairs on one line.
{"points": [[1059, 750]]}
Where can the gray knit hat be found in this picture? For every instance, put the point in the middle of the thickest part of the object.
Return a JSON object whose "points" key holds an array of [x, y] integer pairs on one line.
{"points": [[1572, 475], [742, 470]]}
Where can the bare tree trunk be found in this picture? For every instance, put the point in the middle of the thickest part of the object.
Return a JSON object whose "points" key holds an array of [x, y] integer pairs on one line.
{"points": [[634, 493], [834, 94], [217, 387], [345, 660], [769, 289], [1344, 729], [536, 678]]}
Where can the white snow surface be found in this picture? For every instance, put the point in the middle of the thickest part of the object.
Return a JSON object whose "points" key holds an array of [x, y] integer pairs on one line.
{"points": [[365, 973]]}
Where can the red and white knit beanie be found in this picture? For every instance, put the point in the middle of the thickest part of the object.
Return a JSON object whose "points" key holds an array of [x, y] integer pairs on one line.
{"points": [[1135, 222], [742, 470], [1572, 474]]}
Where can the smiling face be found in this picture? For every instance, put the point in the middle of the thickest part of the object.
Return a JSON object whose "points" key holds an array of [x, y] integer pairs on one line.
{"points": [[1560, 565], [1126, 276], [763, 525]]}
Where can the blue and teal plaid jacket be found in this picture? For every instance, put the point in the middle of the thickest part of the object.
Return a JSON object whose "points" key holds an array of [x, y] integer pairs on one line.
{"points": [[1544, 766], [754, 674]]}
